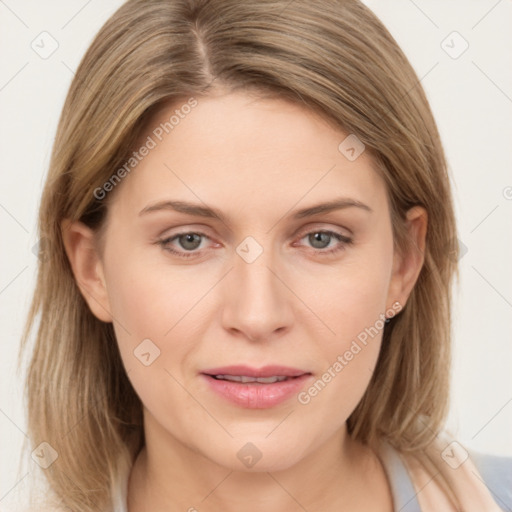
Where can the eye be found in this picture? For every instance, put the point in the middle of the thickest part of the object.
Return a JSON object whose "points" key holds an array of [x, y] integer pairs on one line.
{"points": [[321, 241], [188, 242]]}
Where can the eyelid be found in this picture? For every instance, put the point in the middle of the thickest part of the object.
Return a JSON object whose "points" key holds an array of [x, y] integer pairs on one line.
{"points": [[181, 229], [322, 226]]}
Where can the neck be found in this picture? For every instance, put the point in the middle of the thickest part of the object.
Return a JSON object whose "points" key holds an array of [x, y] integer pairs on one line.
{"points": [[168, 475]]}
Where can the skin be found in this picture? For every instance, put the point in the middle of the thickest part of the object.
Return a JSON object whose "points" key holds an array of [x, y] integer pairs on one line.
{"points": [[257, 161]]}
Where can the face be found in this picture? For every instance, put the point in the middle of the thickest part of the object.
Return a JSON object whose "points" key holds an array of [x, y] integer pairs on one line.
{"points": [[218, 260]]}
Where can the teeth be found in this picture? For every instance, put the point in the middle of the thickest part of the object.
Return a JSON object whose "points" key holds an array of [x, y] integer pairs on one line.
{"points": [[244, 379]]}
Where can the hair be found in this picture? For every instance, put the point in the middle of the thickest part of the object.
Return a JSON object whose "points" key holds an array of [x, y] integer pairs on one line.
{"points": [[335, 58]]}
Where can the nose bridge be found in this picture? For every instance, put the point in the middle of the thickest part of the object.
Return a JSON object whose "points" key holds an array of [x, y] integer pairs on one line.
{"points": [[256, 302]]}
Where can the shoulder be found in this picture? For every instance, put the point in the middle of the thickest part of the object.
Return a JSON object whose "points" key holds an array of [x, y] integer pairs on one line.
{"points": [[496, 473], [477, 482]]}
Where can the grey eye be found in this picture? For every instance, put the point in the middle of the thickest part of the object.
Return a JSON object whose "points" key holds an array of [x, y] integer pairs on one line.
{"points": [[319, 240], [190, 241]]}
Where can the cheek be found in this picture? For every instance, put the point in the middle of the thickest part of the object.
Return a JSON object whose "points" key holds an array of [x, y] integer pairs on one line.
{"points": [[349, 357], [353, 306], [159, 313], [352, 295], [152, 313], [150, 298]]}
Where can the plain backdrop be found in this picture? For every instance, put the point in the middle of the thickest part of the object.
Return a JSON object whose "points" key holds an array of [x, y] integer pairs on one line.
{"points": [[461, 53]]}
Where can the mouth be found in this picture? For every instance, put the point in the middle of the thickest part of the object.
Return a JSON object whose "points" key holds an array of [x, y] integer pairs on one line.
{"points": [[256, 388]]}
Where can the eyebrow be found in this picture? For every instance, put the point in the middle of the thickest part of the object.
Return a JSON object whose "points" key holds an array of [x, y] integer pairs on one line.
{"points": [[205, 211]]}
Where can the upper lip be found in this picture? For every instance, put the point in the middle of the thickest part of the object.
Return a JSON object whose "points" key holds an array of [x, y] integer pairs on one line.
{"points": [[248, 371]]}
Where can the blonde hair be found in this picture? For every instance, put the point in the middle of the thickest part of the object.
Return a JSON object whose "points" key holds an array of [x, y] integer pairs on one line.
{"points": [[332, 56]]}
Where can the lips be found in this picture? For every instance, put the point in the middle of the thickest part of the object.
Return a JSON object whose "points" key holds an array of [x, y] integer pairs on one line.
{"points": [[255, 388]]}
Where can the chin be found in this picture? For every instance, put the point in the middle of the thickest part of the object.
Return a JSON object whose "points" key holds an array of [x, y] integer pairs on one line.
{"points": [[257, 453]]}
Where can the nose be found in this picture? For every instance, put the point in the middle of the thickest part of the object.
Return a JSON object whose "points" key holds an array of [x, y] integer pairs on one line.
{"points": [[256, 302]]}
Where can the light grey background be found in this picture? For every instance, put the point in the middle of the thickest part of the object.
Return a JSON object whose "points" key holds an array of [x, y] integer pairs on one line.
{"points": [[471, 97]]}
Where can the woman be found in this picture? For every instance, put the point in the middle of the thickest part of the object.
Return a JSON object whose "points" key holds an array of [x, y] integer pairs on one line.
{"points": [[246, 297]]}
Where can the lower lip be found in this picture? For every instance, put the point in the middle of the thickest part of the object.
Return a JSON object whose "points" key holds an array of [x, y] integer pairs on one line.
{"points": [[257, 396]]}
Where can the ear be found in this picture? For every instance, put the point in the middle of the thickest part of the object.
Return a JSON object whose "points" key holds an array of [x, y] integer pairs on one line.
{"points": [[407, 264], [79, 243]]}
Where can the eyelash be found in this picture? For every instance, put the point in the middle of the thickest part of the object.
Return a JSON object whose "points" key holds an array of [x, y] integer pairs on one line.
{"points": [[344, 240]]}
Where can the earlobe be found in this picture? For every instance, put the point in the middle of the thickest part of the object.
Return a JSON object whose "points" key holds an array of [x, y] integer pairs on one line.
{"points": [[407, 265], [87, 267]]}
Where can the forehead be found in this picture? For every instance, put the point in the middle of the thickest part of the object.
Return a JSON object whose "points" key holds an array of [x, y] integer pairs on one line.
{"points": [[244, 153]]}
